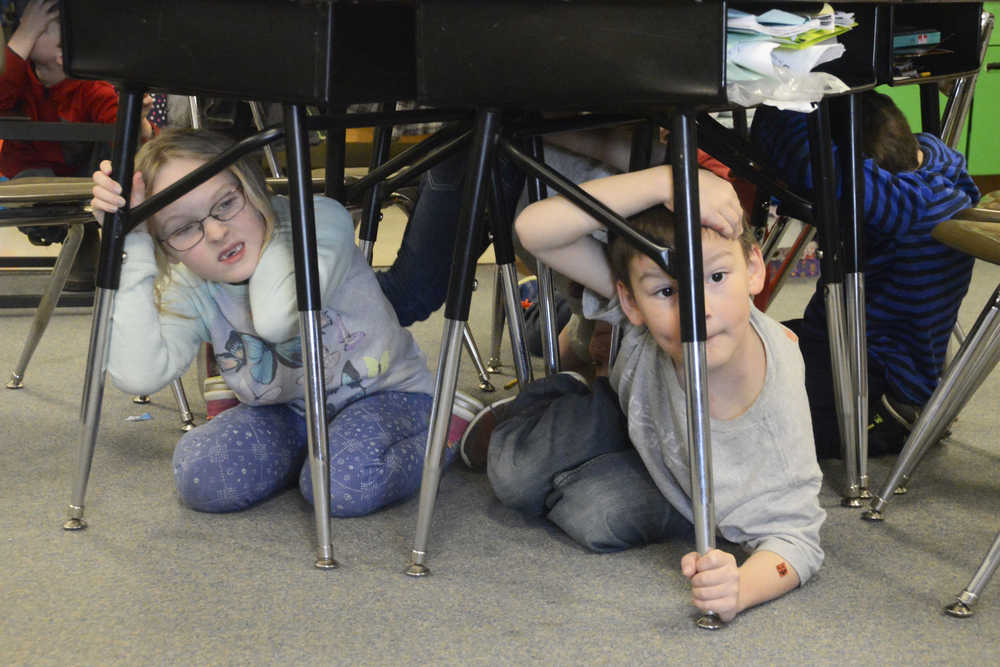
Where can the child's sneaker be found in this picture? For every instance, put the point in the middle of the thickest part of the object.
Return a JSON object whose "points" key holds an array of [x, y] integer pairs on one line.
{"points": [[213, 383], [218, 396], [475, 442], [463, 409], [904, 413]]}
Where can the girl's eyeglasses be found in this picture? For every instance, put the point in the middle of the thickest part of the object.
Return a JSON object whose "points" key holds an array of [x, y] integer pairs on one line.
{"points": [[190, 234]]}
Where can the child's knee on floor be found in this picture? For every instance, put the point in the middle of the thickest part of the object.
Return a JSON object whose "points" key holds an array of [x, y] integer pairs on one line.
{"points": [[376, 453], [610, 503]]}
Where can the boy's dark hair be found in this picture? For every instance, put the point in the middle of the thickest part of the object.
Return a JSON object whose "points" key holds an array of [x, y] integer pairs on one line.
{"points": [[656, 224], [886, 134]]}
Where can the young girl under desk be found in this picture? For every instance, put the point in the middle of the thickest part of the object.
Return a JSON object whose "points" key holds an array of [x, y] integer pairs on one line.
{"points": [[216, 266]]}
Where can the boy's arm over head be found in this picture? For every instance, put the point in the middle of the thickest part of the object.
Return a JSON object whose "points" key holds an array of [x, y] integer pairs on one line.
{"points": [[36, 17], [559, 233]]}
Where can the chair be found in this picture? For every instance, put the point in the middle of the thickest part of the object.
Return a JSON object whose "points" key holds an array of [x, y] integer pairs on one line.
{"points": [[50, 202], [975, 231]]}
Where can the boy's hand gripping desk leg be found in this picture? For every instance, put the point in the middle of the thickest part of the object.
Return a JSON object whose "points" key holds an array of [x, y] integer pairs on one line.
{"points": [[692, 306]]}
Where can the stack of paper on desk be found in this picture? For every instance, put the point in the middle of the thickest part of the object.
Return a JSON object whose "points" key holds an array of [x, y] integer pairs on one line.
{"points": [[776, 38], [785, 47]]}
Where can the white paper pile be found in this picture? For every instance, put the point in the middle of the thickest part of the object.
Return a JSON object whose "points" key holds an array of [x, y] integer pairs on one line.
{"points": [[770, 57]]}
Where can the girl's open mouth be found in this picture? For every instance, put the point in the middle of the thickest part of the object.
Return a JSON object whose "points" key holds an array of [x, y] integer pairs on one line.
{"points": [[232, 253]]}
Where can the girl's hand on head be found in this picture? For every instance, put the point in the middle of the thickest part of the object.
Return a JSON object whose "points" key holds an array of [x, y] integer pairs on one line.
{"points": [[108, 192], [720, 207], [715, 582]]}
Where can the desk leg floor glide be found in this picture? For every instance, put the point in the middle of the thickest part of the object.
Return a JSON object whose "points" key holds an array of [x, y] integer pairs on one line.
{"points": [[90, 403], [444, 396], [962, 607]]}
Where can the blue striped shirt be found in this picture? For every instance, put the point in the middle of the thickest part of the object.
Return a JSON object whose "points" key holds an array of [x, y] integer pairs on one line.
{"points": [[913, 284]]}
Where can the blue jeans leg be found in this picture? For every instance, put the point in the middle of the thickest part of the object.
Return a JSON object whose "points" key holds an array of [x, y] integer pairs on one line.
{"points": [[376, 452], [610, 503], [417, 282], [563, 453], [241, 457]]}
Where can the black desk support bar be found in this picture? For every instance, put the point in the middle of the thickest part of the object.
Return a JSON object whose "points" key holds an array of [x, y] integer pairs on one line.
{"points": [[430, 160], [420, 157], [186, 184], [732, 149], [664, 257], [384, 118]]}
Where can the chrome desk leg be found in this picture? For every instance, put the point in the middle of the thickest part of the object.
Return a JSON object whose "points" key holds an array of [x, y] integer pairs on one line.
{"points": [[962, 606], [827, 222], [857, 347], [187, 419], [855, 343], [64, 262], [456, 314], [477, 359], [546, 298], [319, 459], [444, 396], [309, 306], [496, 335], [693, 336], [515, 325], [550, 334], [126, 138], [975, 359], [90, 403], [843, 389]]}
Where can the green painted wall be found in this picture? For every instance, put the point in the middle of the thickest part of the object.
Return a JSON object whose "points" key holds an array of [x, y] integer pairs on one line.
{"points": [[983, 149]]}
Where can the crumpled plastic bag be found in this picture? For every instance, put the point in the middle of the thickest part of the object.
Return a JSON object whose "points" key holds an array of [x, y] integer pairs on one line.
{"points": [[785, 90]]}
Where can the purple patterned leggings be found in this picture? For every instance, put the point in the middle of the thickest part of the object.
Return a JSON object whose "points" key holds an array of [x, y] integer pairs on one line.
{"points": [[248, 454]]}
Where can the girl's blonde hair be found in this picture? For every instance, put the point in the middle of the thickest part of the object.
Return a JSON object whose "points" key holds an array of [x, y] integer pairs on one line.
{"points": [[202, 145]]}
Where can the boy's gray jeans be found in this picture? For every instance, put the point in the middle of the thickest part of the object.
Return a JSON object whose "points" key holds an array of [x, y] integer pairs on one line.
{"points": [[563, 452]]}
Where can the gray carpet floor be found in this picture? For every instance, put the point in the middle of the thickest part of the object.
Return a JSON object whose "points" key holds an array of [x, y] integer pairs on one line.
{"points": [[152, 582]]}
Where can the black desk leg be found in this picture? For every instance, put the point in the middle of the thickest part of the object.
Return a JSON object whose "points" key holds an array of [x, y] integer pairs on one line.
{"points": [[310, 304], [108, 275], [371, 213], [463, 267], [546, 298], [852, 203], [684, 157], [832, 275], [930, 108], [336, 156], [501, 219]]}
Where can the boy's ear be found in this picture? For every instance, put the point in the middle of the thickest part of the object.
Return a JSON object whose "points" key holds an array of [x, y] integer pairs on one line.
{"points": [[628, 304], [756, 271]]}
